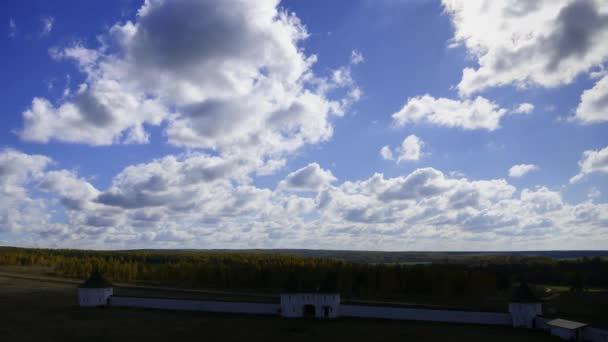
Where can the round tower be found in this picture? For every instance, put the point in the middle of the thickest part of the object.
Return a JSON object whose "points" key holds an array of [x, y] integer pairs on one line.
{"points": [[524, 306], [95, 291]]}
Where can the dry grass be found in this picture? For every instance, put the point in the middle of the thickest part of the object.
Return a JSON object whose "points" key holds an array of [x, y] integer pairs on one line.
{"points": [[47, 311]]}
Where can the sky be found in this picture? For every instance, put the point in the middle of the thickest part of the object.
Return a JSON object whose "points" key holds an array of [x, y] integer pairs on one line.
{"points": [[365, 125]]}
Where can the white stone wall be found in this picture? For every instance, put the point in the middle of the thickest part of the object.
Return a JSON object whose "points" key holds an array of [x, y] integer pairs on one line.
{"points": [[325, 305], [364, 311], [94, 297], [195, 305], [523, 314]]}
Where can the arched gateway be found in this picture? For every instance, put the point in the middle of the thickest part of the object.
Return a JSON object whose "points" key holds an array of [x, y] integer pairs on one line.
{"points": [[310, 305]]}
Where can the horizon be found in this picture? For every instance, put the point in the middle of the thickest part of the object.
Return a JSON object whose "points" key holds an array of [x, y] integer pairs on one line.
{"points": [[386, 126], [315, 249]]}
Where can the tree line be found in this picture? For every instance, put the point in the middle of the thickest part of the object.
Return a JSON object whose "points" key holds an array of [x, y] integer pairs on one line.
{"points": [[272, 272]]}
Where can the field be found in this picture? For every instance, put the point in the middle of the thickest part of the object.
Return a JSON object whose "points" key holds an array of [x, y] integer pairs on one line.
{"points": [[38, 310]]}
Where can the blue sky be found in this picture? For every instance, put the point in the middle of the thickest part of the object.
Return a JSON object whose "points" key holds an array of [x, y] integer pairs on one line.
{"points": [[224, 124]]}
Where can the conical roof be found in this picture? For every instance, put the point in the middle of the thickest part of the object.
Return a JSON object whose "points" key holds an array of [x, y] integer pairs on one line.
{"points": [[96, 281], [523, 294]]}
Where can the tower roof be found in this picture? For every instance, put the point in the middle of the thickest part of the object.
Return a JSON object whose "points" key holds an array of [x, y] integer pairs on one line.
{"points": [[523, 294], [96, 281]]}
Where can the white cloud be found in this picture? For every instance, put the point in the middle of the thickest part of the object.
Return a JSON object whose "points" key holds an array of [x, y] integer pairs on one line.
{"points": [[411, 149], [47, 25], [479, 113], [12, 28], [386, 153], [236, 82], [309, 178], [593, 193], [356, 57], [17, 168], [592, 162], [524, 108], [100, 114], [526, 43], [542, 200], [197, 201], [593, 106], [74, 192], [520, 170], [17, 171]]}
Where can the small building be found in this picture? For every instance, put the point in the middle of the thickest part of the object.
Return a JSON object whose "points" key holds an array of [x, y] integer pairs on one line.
{"points": [[310, 305], [524, 307], [95, 291], [568, 330]]}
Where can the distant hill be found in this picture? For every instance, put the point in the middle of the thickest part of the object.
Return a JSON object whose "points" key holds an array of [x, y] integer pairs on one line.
{"points": [[381, 257], [385, 257]]}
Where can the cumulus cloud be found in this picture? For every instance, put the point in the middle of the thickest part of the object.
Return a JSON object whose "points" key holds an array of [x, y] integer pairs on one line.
{"points": [[74, 192], [527, 43], [524, 108], [479, 113], [17, 171], [427, 204], [410, 150], [542, 200], [197, 200], [228, 77], [100, 114], [520, 170], [593, 106], [592, 162], [170, 181], [386, 153], [309, 178]]}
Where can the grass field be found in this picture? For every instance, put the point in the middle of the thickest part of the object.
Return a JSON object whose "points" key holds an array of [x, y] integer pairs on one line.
{"points": [[33, 310]]}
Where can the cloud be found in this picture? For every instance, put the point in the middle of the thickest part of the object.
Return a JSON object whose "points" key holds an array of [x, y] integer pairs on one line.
{"points": [[593, 106], [524, 108], [479, 113], [226, 77], [100, 114], [410, 150], [356, 57], [17, 171], [175, 182], [197, 200], [47, 24], [309, 178], [592, 162], [520, 170], [542, 200], [593, 193], [12, 28], [518, 43], [74, 192], [386, 153]]}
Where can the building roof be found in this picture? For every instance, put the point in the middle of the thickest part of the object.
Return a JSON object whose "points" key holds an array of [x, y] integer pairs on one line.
{"points": [[562, 323], [523, 294], [96, 281]]}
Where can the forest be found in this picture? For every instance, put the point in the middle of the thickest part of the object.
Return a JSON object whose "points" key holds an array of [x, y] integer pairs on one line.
{"points": [[478, 275]]}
